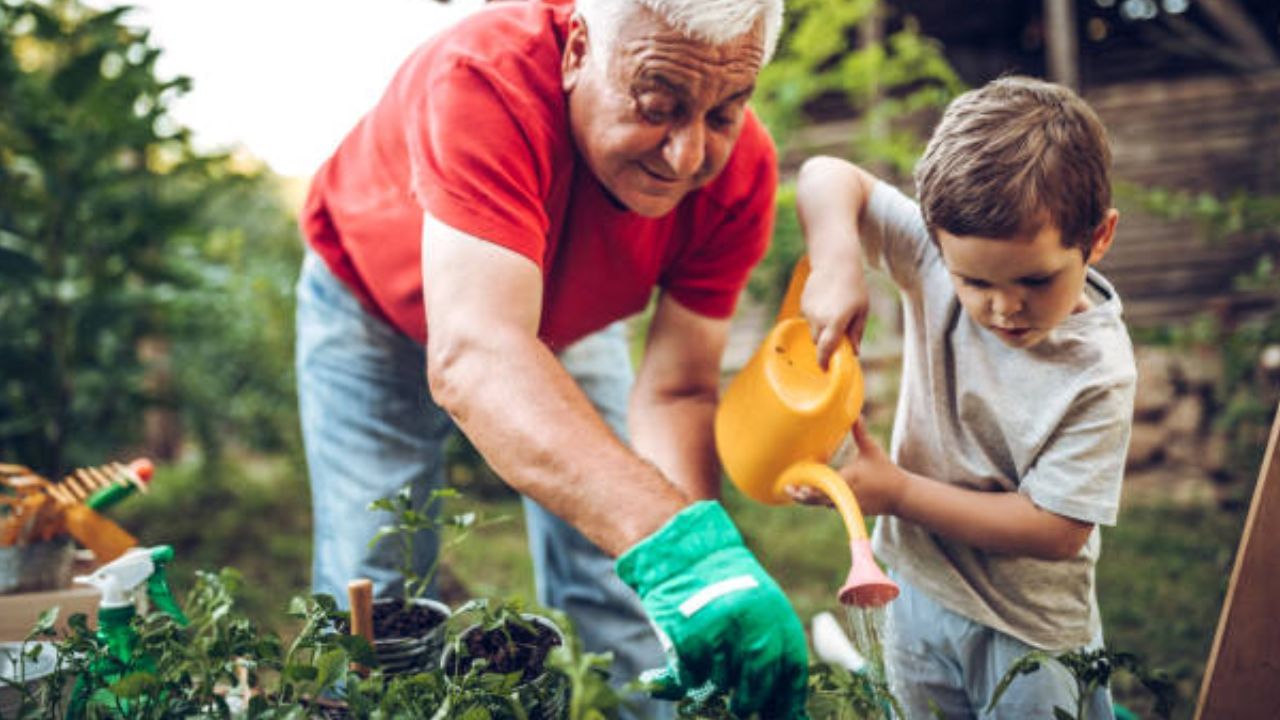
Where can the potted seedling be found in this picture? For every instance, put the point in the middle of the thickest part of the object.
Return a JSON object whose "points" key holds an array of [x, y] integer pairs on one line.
{"points": [[409, 630], [501, 663]]}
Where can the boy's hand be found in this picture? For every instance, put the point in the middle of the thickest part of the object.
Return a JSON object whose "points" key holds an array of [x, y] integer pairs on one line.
{"points": [[835, 303], [875, 480]]}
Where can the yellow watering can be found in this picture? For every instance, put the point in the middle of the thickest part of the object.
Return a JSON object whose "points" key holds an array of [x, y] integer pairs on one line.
{"points": [[783, 417]]}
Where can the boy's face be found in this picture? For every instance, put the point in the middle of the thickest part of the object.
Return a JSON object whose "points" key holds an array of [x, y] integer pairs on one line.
{"points": [[1021, 288]]}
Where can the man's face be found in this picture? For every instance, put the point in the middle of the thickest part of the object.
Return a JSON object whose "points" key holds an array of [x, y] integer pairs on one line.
{"points": [[658, 117], [1021, 288]]}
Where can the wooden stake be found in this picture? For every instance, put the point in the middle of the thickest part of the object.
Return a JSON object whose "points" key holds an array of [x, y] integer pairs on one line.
{"points": [[360, 597], [1241, 678]]}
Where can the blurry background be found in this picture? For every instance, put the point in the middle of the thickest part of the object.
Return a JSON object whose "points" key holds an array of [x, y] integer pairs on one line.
{"points": [[151, 162]]}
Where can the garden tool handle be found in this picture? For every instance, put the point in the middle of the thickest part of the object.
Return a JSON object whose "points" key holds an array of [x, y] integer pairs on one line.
{"points": [[106, 539], [820, 477]]}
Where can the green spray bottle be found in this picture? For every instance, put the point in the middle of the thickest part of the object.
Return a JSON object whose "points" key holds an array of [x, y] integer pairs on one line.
{"points": [[119, 582]]}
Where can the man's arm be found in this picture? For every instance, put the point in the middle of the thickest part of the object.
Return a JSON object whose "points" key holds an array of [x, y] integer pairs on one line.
{"points": [[509, 394], [673, 404]]}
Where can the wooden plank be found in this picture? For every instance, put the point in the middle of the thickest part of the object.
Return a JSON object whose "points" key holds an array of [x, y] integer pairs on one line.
{"points": [[1186, 90], [1244, 667]]}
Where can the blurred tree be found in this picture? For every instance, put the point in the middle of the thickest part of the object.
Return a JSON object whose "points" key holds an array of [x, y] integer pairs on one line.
{"points": [[870, 63], [116, 237], [88, 219]]}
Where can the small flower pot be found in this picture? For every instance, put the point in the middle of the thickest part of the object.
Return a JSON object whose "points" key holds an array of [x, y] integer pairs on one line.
{"points": [[542, 693], [408, 637], [19, 673]]}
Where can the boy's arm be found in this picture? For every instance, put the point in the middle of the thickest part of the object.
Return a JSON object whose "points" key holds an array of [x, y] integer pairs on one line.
{"points": [[1004, 522], [831, 197]]}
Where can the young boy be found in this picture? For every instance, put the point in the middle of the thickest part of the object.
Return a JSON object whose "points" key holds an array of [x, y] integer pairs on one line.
{"points": [[1017, 390]]}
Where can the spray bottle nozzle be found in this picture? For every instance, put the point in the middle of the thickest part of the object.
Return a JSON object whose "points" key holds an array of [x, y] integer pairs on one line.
{"points": [[119, 580], [158, 585]]}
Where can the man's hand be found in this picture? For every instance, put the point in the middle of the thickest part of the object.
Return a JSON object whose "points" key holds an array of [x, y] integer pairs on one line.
{"points": [[726, 623], [835, 303]]}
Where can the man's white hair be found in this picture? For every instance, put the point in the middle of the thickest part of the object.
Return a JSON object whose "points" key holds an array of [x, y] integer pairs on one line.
{"points": [[713, 21]]}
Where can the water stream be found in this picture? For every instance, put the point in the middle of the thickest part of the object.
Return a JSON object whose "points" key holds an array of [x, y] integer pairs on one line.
{"points": [[866, 631]]}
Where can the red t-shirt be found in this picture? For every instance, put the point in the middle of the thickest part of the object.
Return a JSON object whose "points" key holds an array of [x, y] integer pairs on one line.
{"points": [[474, 129]]}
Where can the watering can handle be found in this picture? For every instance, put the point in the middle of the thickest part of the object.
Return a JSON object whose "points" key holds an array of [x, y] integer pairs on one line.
{"points": [[827, 481], [791, 300]]}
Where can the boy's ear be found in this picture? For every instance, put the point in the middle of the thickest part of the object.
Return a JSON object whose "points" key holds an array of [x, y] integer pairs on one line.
{"points": [[1103, 235]]}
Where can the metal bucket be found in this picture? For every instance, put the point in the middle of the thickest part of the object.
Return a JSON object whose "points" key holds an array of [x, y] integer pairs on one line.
{"points": [[407, 655], [19, 673], [36, 567]]}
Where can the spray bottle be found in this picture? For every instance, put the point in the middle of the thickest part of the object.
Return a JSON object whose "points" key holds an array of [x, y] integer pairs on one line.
{"points": [[119, 582]]}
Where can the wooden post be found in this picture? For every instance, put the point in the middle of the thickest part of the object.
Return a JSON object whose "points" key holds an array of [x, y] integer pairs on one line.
{"points": [[1242, 677], [1062, 43], [360, 598]]}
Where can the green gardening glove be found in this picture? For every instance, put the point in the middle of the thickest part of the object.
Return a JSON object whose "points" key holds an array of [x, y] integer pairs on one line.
{"points": [[725, 623]]}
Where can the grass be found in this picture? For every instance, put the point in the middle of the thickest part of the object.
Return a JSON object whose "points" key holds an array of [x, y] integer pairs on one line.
{"points": [[1162, 579]]}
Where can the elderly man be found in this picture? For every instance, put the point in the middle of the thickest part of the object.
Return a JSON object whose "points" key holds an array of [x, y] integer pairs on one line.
{"points": [[527, 180]]}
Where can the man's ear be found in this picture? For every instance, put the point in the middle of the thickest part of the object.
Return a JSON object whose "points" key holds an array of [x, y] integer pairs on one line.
{"points": [[576, 48], [1103, 234]]}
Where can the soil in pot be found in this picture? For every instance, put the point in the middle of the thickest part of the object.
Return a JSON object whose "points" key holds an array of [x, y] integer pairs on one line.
{"points": [[395, 618], [508, 649]]}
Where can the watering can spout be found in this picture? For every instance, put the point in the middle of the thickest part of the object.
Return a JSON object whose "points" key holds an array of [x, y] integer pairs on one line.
{"points": [[783, 417], [867, 585]]}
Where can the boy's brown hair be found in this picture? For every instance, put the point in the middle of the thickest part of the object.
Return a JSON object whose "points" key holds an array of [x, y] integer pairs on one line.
{"points": [[1012, 156]]}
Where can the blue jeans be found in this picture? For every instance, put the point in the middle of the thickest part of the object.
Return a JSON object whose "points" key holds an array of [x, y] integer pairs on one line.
{"points": [[934, 654], [371, 428]]}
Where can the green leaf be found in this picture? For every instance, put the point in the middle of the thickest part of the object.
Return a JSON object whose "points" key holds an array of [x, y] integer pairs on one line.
{"points": [[135, 685], [299, 673], [298, 606], [330, 666], [44, 626], [359, 649]]}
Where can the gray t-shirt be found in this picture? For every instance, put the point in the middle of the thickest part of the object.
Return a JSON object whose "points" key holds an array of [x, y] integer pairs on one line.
{"points": [[1051, 421]]}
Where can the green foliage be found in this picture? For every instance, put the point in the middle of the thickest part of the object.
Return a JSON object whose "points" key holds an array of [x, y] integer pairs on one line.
{"points": [[1161, 584], [223, 664], [274, 556], [115, 236], [883, 82], [231, 356], [92, 205], [839, 694], [1240, 213], [1247, 392], [1091, 670], [894, 86], [410, 518]]}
